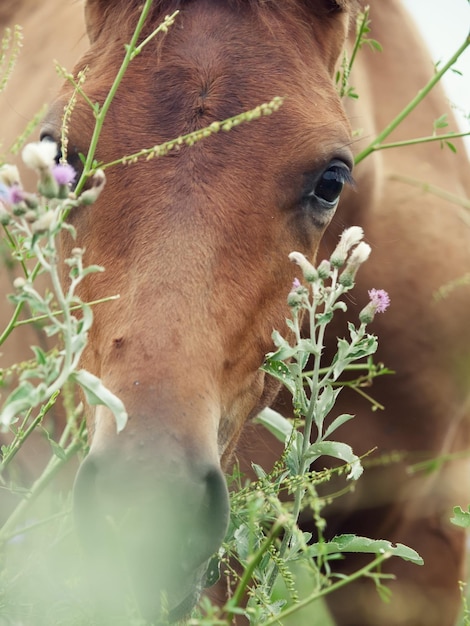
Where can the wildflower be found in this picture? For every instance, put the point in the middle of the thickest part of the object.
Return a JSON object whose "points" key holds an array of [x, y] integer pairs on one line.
{"points": [[324, 269], [43, 223], [380, 299], [40, 155], [294, 298], [16, 194], [90, 195], [63, 173], [9, 175], [308, 270], [19, 283], [349, 238], [360, 254], [379, 302]]}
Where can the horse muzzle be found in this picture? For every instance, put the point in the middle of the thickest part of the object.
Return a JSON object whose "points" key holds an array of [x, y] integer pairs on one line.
{"points": [[149, 524]]}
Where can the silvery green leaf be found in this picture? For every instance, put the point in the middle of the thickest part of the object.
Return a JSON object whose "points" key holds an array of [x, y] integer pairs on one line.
{"points": [[97, 393], [336, 450], [326, 399], [280, 371], [293, 453], [258, 470], [24, 397], [337, 422], [353, 543], [276, 423], [461, 518]]}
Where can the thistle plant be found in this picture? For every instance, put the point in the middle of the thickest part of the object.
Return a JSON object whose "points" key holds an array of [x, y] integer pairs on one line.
{"points": [[260, 513]]}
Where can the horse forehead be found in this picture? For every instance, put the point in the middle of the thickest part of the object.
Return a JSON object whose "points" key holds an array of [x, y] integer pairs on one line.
{"points": [[220, 66], [284, 23]]}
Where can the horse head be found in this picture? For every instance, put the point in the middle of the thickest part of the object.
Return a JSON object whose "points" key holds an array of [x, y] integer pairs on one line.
{"points": [[196, 244]]}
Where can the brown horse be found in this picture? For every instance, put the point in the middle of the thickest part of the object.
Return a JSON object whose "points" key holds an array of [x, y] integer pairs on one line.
{"points": [[196, 245]]}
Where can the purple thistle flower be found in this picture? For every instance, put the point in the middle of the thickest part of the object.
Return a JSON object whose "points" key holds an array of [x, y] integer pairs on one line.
{"points": [[16, 194], [63, 173], [379, 299], [296, 284]]}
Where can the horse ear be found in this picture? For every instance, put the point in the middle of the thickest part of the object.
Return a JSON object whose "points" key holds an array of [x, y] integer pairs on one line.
{"points": [[95, 12]]}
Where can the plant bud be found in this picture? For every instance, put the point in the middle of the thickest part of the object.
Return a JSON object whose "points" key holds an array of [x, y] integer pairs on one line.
{"points": [[308, 270]]}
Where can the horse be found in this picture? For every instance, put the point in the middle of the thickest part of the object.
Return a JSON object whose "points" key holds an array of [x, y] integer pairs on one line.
{"points": [[196, 245]]}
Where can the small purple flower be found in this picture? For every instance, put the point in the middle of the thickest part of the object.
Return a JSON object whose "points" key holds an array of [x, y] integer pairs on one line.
{"points": [[380, 299], [296, 284], [63, 173], [16, 194]]}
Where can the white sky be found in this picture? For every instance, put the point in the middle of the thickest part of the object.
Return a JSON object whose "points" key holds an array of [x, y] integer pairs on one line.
{"points": [[444, 25]]}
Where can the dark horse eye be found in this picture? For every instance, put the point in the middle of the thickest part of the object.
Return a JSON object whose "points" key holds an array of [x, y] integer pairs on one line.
{"points": [[324, 191], [331, 183]]}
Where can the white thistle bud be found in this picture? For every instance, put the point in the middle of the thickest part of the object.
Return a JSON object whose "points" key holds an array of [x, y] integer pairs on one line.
{"points": [[89, 196], [308, 270], [349, 238], [358, 256], [43, 223], [9, 175], [39, 155], [19, 282]]}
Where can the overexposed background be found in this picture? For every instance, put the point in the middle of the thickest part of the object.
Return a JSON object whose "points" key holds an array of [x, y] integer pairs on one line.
{"points": [[444, 25]]}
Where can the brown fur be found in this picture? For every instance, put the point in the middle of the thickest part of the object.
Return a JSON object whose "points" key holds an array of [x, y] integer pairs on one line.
{"points": [[196, 244]]}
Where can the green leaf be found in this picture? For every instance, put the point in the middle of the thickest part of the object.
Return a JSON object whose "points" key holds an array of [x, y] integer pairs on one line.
{"points": [[97, 393], [57, 450], [24, 397], [280, 371], [337, 422], [354, 543], [441, 122], [336, 450], [461, 518], [276, 423], [41, 356]]}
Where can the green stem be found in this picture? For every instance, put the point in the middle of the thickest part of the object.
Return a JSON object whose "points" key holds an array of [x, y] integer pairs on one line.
{"points": [[103, 111], [419, 140], [437, 191], [327, 590], [375, 145], [77, 307], [237, 597], [19, 307], [16, 444], [41, 483]]}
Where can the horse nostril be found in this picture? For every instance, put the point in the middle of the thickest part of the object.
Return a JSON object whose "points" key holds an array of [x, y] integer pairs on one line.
{"points": [[207, 527]]}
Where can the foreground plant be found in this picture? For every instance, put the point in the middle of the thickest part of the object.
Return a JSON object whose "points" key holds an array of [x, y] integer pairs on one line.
{"points": [[265, 537]]}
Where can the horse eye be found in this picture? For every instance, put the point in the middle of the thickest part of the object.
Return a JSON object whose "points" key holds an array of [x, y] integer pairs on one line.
{"points": [[330, 185], [324, 191]]}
